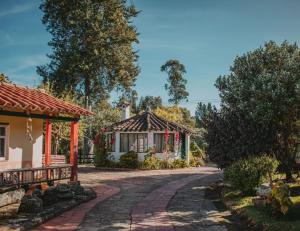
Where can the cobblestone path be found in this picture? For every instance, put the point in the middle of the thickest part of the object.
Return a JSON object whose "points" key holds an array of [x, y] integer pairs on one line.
{"points": [[143, 198]]}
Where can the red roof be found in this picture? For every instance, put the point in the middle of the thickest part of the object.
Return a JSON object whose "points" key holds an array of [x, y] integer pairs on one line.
{"points": [[14, 97], [147, 121]]}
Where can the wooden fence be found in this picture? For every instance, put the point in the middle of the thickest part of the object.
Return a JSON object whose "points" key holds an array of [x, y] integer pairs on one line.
{"points": [[18, 177]]}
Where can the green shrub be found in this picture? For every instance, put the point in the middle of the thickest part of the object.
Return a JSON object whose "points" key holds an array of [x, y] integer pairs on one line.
{"points": [[151, 162], [129, 160], [178, 163], [247, 174], [196, 161], [101, 157], [279, 201], [196, 151]]}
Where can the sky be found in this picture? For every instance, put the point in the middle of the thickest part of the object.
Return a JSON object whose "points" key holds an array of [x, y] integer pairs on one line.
{"points": [[204, 35]]}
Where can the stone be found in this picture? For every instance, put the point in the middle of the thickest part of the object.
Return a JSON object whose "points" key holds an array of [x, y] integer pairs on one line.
{"points": [[63, 188], [11, 197], [31, 204], [66, 195], [76, 187], [38, 193], [50, 196], [263, 190]]}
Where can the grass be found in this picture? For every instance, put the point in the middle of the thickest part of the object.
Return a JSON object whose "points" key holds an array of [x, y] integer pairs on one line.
{"points": [[261, 216]]}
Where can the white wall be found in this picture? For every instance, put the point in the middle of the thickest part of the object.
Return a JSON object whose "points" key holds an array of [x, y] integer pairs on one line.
{"points": [[21, 152], [117, 152]]}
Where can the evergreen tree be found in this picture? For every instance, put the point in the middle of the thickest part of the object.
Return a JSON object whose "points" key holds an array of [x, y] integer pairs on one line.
{"points": [[176, 85]]}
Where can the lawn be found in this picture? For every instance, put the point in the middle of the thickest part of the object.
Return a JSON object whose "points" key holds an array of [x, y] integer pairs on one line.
{"points": [[261, 217]]}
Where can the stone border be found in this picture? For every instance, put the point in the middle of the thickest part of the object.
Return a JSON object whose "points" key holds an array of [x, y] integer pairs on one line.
{"points": [[72, 219]]}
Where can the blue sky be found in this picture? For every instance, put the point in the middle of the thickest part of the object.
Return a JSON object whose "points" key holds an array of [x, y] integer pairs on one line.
{"points": [[205, 35]]}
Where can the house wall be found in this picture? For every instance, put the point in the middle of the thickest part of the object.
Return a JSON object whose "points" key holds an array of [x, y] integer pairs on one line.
{"points": [[21, 153], [117, 152]]}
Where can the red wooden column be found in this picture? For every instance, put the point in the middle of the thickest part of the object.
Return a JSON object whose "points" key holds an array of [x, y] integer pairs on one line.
{"points": [[74, 149], [48, 142]]}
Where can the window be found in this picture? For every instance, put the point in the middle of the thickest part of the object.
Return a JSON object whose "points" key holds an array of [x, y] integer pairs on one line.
{"points": [[160, 142], [110, 141], [137, 142], [3, 140]]}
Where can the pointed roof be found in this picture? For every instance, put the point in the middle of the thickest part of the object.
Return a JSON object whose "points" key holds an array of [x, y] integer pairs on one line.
{"points": [[147, 121], [13, 97]]}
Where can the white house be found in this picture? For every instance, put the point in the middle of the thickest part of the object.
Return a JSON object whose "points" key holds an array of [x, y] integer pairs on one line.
{"points": [[147, 130]]}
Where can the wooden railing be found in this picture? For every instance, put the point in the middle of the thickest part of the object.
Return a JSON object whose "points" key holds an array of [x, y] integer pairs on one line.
{"points": [[18, 177]]}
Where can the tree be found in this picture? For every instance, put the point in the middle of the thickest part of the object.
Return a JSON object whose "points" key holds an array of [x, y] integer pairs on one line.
{"points": [[92, 47], [260, 102], [4, 78], [176, 114], [149, 102], [176, 85], [230, 136]]}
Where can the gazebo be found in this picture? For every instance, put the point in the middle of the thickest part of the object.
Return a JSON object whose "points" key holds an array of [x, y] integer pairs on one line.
{"points": [[148, 130], [26, 116]]}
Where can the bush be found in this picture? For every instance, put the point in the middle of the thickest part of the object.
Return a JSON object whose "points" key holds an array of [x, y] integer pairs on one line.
{"points": [[129, 160], [247, 174], [279, 201], [195, 161], [196, 151], [151, 162], [178, 163], [101, 157]]}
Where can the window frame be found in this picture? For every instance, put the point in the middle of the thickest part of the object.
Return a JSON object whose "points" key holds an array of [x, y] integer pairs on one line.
{"points": [[110, 147], [162, 134], [6, 139], [136, 136]]}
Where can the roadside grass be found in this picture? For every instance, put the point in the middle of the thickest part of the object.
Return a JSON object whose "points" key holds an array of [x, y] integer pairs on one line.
{"points": [[261, 218]]}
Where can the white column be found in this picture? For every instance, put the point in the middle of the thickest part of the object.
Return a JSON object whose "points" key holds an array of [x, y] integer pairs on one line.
{"points": [[187, 147], [150, 139], [117, 147]]}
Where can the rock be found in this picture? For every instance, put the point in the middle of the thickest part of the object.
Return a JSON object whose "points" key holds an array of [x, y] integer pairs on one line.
{"points": [[31, 204], [90, 193], [76, 188], [38, 193], [263, 190], [50, 196], [63, 188], [11, 197], [65, 196]]}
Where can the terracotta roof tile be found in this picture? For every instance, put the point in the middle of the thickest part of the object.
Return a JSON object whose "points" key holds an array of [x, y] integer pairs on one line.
{"points": [[148, 121], [14, 97]]}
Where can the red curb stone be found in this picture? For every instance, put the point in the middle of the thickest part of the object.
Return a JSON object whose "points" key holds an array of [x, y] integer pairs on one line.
{"points": [[155, 203], [71, 219]]}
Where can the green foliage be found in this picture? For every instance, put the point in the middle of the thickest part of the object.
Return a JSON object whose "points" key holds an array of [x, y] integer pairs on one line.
{"points": [[4, 78], [196, 151], [176, 85], [92, 44], [129, 160], [102, 157], [151, 162], [105, 115], [259, 107], [176, 114], [178, 163], [149, 102], [279, 200], [196, 161], [247, 174]]}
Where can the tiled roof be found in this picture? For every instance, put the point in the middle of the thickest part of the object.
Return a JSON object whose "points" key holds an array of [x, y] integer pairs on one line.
{"points": [[148, 121], [31, 100]]}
